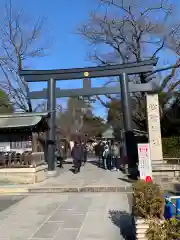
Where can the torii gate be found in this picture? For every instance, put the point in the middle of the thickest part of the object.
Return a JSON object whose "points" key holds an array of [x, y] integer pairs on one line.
{"points": [[125, 87]]}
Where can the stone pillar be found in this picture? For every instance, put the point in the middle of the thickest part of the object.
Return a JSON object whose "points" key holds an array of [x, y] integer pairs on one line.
{"points": [[154, 128], [34, 142]]}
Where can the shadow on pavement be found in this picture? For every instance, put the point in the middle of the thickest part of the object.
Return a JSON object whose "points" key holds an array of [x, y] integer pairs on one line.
{"points": [[128, 180], [123, 220], [96, 163], [7, 201]]}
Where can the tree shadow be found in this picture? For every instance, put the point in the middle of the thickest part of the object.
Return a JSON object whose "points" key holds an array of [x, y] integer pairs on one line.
{"points": [[124, 221], [128, 180]]}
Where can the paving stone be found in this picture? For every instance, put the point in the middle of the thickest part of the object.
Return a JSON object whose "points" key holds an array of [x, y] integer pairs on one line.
{"points": [[48, 230], [92, 238], [74, 221], [37, 239], [80, 205], [68, 205], [14, 232], [47, 210], [67, 234], [61, 215], [99, 235]]}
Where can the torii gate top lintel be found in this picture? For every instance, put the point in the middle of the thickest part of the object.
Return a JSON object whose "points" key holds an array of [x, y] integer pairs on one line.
{"points": [[92, 72]]}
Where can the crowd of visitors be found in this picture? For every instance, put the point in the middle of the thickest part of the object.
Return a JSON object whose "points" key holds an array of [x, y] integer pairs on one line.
{"points": [[107, 153]]}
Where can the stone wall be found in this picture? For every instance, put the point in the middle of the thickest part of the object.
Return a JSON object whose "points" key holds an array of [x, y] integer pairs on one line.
{"points": [[23, 175]]}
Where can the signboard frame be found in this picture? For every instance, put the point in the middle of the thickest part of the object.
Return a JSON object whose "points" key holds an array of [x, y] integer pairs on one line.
{"points": [[145, 166]]}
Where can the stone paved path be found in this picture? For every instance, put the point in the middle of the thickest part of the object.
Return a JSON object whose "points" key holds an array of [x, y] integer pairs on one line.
{"points": [[73, 216], [90, 176]]}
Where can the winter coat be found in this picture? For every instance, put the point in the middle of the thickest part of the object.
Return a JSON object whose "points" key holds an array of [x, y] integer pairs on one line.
{"points": [[99, 149], [106, 151], [85, 148], [115, 151], [77, 153], [59, 154]]}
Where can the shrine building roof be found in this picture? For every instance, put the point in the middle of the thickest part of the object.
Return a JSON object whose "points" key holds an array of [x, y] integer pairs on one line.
{"points": [[21, 120]]}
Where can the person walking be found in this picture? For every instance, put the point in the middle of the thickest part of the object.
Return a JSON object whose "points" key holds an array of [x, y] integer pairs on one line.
{"points": [[59, 157], [106, 156], [77, 154], [85, 153], [99, 149], [115, 155]]}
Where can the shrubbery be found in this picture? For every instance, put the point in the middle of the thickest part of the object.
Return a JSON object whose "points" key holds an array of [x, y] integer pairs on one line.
{"points": [[171, 147], [148, 200], [168, 230], [148, 204]]}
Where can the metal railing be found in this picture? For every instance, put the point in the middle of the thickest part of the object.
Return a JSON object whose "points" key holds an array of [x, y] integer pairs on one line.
{"points": [[167, 164], [172, 209], [172, 161], [21, 160]]}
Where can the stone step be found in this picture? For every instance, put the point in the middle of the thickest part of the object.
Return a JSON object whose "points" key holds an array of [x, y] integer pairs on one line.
{"points": [[51, 189], [125, 189], [166, 185], [166, 167]]}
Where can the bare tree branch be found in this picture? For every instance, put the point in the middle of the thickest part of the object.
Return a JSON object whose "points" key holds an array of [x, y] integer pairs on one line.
{"points": [[20, 42], [127, 33], [133, 31]]}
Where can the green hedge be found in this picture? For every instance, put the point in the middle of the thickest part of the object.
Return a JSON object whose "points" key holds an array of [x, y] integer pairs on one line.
{"points": [[171, 147]]}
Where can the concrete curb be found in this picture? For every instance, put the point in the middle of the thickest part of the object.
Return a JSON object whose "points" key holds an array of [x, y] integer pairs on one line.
{"points": [[81, 189], [66, 189], [13, 190], [7, 190]]}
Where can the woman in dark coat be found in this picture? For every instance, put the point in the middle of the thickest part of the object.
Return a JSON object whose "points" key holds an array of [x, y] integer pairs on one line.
{"points": [[78, 156], [59, 157], [85, 153]]}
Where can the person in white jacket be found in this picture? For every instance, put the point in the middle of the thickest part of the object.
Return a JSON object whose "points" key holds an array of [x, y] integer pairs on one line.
{"points": [[106, 156], [71, 143]]}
